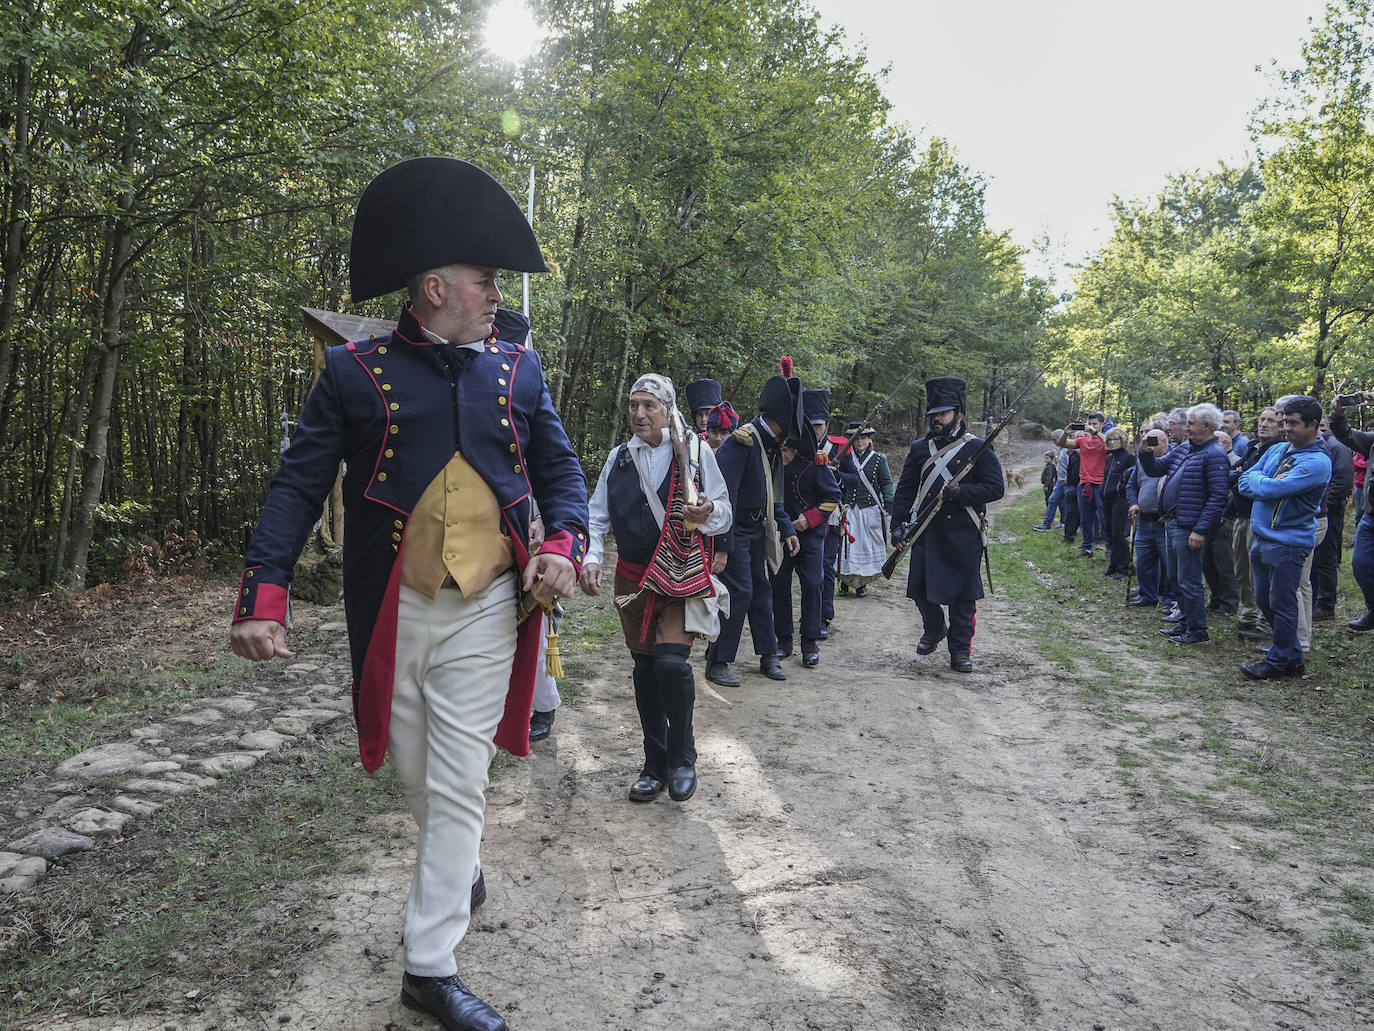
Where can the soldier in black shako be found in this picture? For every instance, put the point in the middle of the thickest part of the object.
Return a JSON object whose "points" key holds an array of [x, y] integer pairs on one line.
{"points": [[946, 558]]}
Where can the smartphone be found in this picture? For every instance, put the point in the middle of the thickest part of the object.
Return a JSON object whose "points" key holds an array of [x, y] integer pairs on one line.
{"points": [[1078, 426], [1350, 400]]}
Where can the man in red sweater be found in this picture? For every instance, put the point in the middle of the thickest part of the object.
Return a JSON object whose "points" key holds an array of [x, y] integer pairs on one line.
{"points": [[1092, 456]]}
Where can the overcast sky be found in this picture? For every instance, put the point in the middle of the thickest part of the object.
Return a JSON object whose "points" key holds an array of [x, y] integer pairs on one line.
{"points": [[1063, 104]]}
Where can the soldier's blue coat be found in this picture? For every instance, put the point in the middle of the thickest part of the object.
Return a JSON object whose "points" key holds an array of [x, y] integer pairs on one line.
{"points": [[945, 559], [391, 410]]}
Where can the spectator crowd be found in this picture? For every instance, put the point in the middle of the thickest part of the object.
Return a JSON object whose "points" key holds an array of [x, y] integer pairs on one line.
{"points": [[1212, 521]]}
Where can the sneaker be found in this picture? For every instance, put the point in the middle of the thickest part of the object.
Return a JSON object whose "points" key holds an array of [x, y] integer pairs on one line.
{"points": [[1191, 637], [1174, 616], [1042, 528], [1365, 622], [1254, 633], [1085, 552], [1141, 603]]}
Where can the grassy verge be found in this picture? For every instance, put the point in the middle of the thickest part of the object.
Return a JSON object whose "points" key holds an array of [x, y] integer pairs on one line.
{"points": [[1285, 765]]}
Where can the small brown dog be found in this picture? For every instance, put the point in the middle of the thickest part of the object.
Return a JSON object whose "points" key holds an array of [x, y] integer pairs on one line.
{"points": [[1015, 478]]}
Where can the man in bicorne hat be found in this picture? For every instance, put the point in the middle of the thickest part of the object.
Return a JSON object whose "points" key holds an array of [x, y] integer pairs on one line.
{"points": [[750, 460], [449, 436], [946, 558], [816, 404], [702, 396]]}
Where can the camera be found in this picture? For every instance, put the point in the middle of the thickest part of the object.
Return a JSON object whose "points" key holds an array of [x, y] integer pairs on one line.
{"points": [[1154, 438], [1351, 400]]}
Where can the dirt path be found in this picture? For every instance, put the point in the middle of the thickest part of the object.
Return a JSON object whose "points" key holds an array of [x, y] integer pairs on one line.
{"points": [[877, 843]]}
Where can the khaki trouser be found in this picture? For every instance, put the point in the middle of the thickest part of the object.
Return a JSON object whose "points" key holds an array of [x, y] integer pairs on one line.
{"points": [[1241, 541], [1305, 593]]}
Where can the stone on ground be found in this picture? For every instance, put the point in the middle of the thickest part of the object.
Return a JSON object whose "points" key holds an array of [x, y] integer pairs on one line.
{"points": [[103, 761]]}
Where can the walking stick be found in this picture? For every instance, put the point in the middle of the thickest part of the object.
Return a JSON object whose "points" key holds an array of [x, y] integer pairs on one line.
{"points": [[1130, 568]]}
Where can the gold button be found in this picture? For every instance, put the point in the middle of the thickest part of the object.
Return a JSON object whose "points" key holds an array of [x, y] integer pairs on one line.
{"points": [[505, 367], [249, 574], [505, 422], [493, 350], [381, 476], [512, 449], [382, 349], [395, 429], [500, 400], [386, 386], [517, 468], [449, 555], [245, 592], [395, 547], [371, 337], [580, 537], [399, 525], [243, 612], [395, 536], [501, 382], [389, 453], [395, 407], [377, 369]]}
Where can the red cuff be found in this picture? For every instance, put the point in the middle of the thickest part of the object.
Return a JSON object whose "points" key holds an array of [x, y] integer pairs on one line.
{"points": [[572, 545], [258, 600], [814, 518]]}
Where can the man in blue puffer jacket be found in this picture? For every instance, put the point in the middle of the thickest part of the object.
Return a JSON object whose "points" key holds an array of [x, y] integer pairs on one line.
{"points": [[1192, 497], [1287, 487]]}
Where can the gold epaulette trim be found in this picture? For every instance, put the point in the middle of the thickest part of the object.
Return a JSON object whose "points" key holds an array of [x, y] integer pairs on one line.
{"points": [[745, 435]]}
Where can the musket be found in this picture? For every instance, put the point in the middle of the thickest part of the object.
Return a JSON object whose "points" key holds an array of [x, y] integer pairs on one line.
{"points": [[744, 372], [868, 418]]}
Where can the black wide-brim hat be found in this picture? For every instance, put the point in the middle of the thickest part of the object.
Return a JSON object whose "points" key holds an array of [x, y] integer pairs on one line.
{"points": [[429, 212], [816, 405], [856, 426], [703, 393], [944, 393]]}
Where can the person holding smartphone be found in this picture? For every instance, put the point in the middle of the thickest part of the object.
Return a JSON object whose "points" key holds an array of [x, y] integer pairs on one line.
{"points": [[1092, 456]]}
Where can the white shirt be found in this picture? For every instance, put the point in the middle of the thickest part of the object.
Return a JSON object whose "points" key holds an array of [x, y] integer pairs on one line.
{"points": [[655, 462]]}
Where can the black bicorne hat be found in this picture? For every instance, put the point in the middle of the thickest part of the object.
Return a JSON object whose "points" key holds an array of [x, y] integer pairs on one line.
{"points": [[944, 393], [775, 400], [816, 405], [856, 425], [429, 212], [703, 393], [782, 399]]}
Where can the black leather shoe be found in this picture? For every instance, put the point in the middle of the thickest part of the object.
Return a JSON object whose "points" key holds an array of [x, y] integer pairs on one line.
{"points": [[844, 590], [1266, 670], [1177, 630], [1323, 614], [928, 644], [541, 725], [825, 632], [448, 1000], [811, 653], [721, 673], [771, 668], [682, 783], [646, 788], [479, 893], [861, 592], [1365, 622], [961, 663], [784, 647], [1191, 637]]}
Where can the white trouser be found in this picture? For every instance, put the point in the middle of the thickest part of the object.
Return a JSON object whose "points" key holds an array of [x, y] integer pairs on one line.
{"points": [[545, 687], [453, 664], [1305, 592]]}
